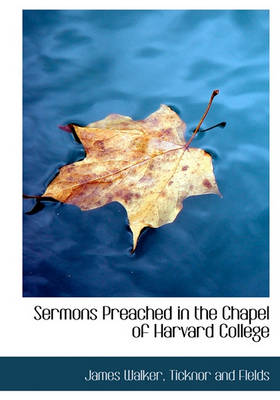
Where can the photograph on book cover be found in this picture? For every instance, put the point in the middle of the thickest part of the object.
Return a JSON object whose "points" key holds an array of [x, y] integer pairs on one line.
{"points": [[145, 153]]}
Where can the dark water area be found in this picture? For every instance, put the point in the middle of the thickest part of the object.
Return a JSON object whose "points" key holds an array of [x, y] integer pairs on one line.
{"points": [[80, 66]]}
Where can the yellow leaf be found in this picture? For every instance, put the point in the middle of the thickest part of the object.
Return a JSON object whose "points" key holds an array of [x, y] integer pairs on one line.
{"points": [[146, 165]]}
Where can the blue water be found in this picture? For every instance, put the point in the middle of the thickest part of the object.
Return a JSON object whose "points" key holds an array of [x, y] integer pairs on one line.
{"points": [[80, 66]]}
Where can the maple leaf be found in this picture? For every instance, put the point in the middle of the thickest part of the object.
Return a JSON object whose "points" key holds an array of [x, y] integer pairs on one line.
{"points": [[145, 165]]}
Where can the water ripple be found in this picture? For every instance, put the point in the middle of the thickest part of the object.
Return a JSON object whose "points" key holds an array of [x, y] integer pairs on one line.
{"points": [[84, 65]]}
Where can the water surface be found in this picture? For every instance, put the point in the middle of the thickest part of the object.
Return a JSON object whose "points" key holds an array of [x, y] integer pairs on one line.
{"points": [[80, 66]]}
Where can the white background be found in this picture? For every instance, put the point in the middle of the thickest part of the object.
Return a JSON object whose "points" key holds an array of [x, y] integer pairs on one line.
{"points": [[20, 334]]}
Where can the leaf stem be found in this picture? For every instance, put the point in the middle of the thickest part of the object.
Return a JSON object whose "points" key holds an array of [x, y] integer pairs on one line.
{"points": [[215, 92]]}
